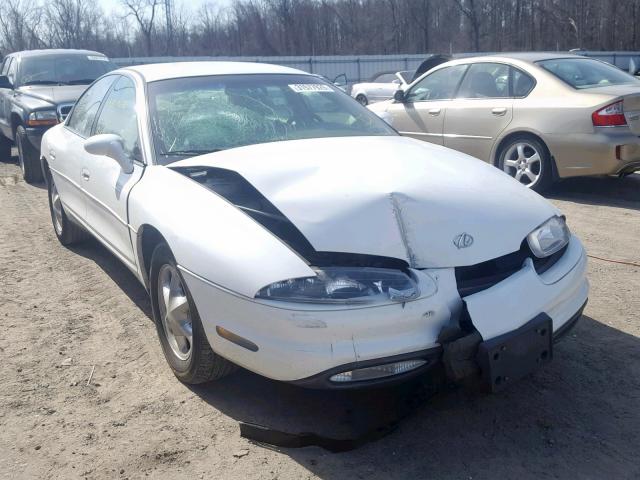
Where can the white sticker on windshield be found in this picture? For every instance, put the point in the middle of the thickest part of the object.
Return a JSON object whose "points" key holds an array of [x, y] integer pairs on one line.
{"points": [[100, 58], [310, 87]]}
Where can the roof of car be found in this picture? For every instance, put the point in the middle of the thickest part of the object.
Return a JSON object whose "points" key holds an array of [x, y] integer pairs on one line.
{"points": [[529, 57], [164, 71], [55, 51]]}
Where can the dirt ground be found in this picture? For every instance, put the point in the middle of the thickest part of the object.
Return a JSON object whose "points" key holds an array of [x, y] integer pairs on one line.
{"points": [[65, 313]]}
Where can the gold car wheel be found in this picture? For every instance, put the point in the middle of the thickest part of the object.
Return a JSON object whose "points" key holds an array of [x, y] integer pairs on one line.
{"points": [[524, 163]]}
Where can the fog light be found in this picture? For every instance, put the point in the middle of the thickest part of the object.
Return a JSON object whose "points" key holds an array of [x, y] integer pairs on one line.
{"points": [[377, 371]]}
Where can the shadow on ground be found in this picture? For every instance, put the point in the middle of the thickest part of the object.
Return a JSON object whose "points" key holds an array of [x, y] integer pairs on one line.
{"points": [[121, 276], [608, 191]]}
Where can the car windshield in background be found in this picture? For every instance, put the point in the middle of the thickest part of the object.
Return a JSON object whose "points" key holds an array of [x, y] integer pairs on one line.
{"points": [[73, 69], [192, 116], [587, 73]]}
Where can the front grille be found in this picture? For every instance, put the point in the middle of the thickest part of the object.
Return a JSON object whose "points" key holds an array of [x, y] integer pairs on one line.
{"points": [[64, 110], [475, 278]]}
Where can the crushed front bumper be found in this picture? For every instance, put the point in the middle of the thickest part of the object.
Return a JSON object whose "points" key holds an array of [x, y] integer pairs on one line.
{"points": [[308, 344]]}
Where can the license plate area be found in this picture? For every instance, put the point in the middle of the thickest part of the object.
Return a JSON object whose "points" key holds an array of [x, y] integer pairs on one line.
{"points": [[516, 354]]}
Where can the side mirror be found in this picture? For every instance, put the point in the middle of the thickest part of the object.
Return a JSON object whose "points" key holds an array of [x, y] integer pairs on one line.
{"points": [[399, 96], [5, 82], [111, 146]]}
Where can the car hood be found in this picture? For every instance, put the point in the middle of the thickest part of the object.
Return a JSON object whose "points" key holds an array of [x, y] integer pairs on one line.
{"points": [[389, 196], [54, 94]]}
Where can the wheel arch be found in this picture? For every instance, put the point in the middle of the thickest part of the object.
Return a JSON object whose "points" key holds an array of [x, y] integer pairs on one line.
{"points": [[147, 240], [16, 121], [523, 133]]}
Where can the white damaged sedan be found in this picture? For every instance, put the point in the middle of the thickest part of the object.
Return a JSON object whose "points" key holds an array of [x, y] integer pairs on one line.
{"points": [[280, 226]]}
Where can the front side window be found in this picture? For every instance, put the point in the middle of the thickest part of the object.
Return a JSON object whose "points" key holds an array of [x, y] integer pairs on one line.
{"points": [[5, 65], [118, 116], [485, 80], [192, 116], [11, 73], [72, 69], [583, 73], [439, 85], [84, 112]]}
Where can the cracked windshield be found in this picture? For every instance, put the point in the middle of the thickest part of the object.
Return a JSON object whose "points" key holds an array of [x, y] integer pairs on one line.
{"points": [[194, 116]]}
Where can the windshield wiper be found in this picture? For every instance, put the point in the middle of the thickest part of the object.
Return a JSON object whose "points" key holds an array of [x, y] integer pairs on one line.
{"points": [[81, 81], [44, 82], [191, 152]]}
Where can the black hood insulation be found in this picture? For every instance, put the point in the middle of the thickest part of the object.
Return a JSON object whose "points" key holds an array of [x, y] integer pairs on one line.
{"points": [[237, 190]]}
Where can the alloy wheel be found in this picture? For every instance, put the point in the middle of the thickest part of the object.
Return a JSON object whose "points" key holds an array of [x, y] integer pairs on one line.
{"points": [[175, 312], [56, 206], [20, 153], [524, 163]]}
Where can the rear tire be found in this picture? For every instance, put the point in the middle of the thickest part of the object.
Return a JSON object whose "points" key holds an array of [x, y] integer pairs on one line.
{"points": [[527, 159], [28, 157], [67, 231], [5, 148], [362, 100], [180, 330]]}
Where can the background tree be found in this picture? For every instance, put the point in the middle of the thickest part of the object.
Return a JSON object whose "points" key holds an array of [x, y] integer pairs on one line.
{"points": [[320, 27]]}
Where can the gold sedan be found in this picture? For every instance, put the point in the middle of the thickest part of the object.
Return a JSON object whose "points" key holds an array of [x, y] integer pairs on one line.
{"points": [[537, 116]]}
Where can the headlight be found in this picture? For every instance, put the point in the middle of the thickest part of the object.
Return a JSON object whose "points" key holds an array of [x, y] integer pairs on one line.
{"points": [[42, 117], [549, 237], [344, 285]]}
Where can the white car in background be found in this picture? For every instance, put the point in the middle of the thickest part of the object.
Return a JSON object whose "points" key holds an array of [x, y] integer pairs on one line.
{"points": [[381, 87], [279, 226]]}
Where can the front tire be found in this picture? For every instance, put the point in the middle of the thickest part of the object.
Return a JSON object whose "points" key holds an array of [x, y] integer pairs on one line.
{"points": [[528, 160], [28, 157], [180, 330], [67, 231]]}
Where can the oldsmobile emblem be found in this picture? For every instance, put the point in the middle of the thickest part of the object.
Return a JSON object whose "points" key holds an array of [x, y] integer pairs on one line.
{"points": [[463, 240]]}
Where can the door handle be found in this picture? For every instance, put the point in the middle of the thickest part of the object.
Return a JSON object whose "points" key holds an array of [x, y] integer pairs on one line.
{"points": [[435, 112], [499, 111], [85, 174]]}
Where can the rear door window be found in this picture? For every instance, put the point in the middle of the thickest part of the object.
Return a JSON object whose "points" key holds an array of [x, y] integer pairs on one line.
{"points": [[521, 83], [485, 80]]}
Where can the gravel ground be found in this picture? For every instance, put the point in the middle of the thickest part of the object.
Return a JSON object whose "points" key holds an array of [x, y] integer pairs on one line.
{"points": [[66, 313]]}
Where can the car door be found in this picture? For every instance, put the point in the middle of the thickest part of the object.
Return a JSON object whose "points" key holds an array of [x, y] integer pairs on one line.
{"points": [[482, 109], [5, 100], [106, 185], [66, 147], [421, 114]]}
